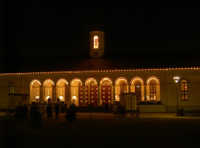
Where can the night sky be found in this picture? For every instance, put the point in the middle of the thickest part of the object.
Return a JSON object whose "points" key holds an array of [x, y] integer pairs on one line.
{"points": [[55, 31]]}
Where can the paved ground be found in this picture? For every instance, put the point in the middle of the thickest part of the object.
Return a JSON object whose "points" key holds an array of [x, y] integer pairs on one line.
{"points": [[141, 115], [105, 130], [133, 116]]}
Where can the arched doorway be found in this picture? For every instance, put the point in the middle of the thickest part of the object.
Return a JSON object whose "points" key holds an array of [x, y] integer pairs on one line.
{"points": [[121, 86], [35, 86], [91, 91], [48, 89], [106, 89], [137, 87], [61, 90], [77, 93]]}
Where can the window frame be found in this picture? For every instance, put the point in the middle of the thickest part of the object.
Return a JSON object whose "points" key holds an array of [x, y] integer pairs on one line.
{"points": [[184, 90]]}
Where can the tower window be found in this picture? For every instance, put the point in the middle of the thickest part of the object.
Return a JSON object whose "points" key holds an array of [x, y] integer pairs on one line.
{"points": [[96, 42]]}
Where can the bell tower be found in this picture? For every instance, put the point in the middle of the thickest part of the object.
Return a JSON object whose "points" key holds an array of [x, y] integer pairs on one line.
{"points": [[96, 39]]}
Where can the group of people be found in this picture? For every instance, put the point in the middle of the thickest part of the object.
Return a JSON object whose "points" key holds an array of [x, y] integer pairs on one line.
{"points": [[57, 108], [38, 111]]}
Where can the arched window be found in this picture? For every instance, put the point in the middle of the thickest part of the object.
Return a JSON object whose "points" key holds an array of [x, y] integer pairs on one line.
{"points": [[96, 42], [138, 90], [184, 90], [137, 87], [153, 89], [35, 91], [121, 86], [61, 92], [48, 89], [76, 91]]}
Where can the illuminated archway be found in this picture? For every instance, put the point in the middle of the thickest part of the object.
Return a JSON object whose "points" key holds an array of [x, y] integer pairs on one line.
{"points": [[121, 86], [91, 91], [153, 89], [106, 91], [35, 86], [76, 91], [48, 89], [137, 87], [61, 90]]}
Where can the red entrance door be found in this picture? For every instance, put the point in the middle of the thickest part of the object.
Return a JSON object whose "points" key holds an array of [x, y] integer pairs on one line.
{"points": [[83, 96], [88, 95], [106, 94], [93, 95]]}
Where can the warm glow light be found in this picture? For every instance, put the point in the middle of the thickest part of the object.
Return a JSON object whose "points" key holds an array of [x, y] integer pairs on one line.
{"points": [[74, 97], [61, 98], [117, 98], [96, 42], [138, 86], [47, 97], [37, 97], [176, 79], [35, 81], [99, 70]]}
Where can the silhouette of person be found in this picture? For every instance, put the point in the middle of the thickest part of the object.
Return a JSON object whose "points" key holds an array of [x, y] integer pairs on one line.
{"points": [[19, 114], [106, 107], [49, 109], [71, 113], [38, 116], [63, 107], [57, 108], [25, 111], [33, 114]]}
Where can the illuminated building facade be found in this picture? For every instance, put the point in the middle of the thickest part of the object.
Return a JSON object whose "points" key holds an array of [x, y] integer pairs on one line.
{"points": [[154, 87]]}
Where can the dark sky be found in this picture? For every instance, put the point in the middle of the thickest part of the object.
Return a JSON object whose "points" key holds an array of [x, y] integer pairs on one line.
{"points": [[51, 30]]}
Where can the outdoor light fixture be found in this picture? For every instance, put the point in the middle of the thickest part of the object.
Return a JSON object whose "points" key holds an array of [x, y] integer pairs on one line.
{"points": [[117, 97], [61, 98], [74, 97], [47, 97], [176, 79], [138, 86], [37, 97]]}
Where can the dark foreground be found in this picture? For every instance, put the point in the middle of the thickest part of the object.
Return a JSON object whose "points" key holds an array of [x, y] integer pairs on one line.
{"points": [[90, 132]]}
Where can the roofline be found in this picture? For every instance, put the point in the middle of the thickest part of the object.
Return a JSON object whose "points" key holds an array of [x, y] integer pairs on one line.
{"points": [[102, 70]]}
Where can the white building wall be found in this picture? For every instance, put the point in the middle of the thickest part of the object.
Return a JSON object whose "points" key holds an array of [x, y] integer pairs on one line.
{"points": [[168, 92]]}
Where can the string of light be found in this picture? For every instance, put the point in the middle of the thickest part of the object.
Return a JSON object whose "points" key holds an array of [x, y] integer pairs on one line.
{"points": [[100, 70]]}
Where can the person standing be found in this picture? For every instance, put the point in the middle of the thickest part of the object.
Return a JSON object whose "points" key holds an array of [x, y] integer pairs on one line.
{"points": [[33, 115], [71, 113], [38, 117], [49, 109], [25, 110], [63, 106], [57, 106]]}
